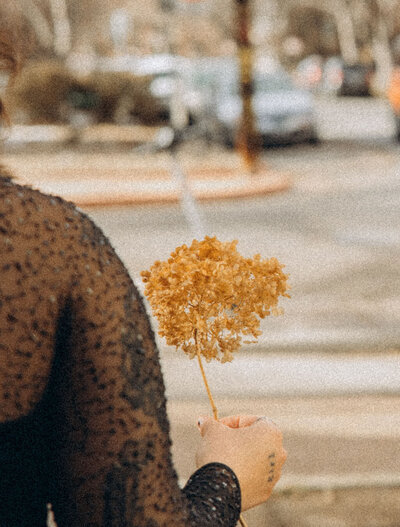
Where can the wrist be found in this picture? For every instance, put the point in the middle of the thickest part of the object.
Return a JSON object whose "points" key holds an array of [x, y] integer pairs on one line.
{"points": [[215, 486]]}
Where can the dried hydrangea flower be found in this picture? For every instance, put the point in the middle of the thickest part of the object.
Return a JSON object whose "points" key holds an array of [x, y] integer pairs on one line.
{"points": [[207, 297]]}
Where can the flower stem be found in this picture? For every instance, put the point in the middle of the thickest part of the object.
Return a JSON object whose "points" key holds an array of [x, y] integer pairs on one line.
{"points": [[214, 408], [203, 373]]}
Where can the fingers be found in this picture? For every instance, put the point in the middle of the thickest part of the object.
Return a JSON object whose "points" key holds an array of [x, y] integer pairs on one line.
{"points": [[205, 422], [239, 421], [267, 425], [251, 446]]}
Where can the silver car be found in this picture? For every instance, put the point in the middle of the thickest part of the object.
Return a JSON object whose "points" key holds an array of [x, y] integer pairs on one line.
{"points": [[284, 113]]}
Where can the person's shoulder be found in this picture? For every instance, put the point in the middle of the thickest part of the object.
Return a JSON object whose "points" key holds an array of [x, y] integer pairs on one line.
{"points": [[24, 193], [24, 199], [36, 199]]}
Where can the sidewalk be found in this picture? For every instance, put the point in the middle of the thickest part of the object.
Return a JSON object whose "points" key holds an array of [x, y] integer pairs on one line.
{"points": [[127, 177], [333, 441], [343, 457], [254, 374]]}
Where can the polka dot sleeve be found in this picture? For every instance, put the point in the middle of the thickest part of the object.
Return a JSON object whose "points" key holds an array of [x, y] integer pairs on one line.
{"points": [[213, 494], [80, 377]]}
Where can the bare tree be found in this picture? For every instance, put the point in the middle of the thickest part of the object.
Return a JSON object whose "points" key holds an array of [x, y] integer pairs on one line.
{"points": [[61, 27], [363, 30], [340, 11], [50, 22]]}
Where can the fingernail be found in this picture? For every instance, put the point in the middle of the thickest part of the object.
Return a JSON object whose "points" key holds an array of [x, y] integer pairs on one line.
{"points": [[200, 421]]}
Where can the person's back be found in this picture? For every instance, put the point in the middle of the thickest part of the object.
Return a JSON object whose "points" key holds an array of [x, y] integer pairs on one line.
{"points": [[81, 386], [83, 422]]}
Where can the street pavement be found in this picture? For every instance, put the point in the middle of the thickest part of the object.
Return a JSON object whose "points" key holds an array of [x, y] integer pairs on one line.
{"points": [[332, 442], [354, 118], [343, 456], [328, 371], [273, 374]]}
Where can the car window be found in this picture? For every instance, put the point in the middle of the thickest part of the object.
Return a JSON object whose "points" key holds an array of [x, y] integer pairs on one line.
{"points": [[223, 78], [263, 83], [272, 83]]}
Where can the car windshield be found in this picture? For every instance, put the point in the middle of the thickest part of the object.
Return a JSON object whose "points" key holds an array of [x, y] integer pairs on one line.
{"points": [[263, 83], [223, 79], [272, 82]]}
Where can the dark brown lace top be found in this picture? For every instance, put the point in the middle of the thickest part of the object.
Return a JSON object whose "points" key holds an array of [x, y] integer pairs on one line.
{"points": [[83, 421]]}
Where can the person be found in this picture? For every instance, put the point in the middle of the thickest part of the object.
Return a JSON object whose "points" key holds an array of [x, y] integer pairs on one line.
{"points": [[83, 422]]}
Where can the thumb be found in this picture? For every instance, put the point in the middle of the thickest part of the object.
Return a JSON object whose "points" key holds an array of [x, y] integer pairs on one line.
{"points": [[206, 424]]}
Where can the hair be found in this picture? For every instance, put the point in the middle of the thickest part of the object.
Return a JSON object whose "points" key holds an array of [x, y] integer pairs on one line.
{"points": [[14, 44], [15, 41], [9, 64]]}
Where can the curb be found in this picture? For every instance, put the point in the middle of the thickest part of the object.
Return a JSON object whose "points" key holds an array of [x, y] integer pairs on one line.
{"points": [[91, 187], [236, 188], [144, 179], [334, 482], [305, 484]]}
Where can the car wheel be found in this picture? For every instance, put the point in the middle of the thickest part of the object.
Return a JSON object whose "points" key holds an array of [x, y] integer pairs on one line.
{"points": [[226, 137], [314, 139]]}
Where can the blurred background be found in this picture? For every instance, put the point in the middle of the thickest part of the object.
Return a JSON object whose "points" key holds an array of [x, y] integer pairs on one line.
{"points": [[150, 115], [121, 61]]}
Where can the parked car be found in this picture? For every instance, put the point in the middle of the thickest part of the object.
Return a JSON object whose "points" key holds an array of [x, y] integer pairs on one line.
{"points": [[357, 79], [309, 72], [332, 75], [284, 113]]}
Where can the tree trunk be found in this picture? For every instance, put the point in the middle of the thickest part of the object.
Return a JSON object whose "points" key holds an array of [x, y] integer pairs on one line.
{"points": [[345, 31], [383, 58], [248, 140], [39, 23], [381, 51], [62, 29]]}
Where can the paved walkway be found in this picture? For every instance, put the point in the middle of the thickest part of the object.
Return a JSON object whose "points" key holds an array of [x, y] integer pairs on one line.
{"points": [[128, 176], [271, 374], [332, 441]]}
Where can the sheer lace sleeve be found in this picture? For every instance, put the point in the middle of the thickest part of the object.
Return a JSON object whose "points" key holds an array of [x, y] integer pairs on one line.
{"points": [[81, 365], [118, 400], [213, 495]]}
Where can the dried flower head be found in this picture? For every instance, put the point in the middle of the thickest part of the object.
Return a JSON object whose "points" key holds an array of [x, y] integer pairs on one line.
{"points": [[208, 296]]}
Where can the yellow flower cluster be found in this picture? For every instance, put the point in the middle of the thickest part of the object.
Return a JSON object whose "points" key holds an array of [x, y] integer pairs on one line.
{"points": [[206, 297]]}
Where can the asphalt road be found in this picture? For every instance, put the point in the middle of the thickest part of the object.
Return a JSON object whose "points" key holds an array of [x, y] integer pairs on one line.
{"points": [[337, 231], [354, 118]]}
